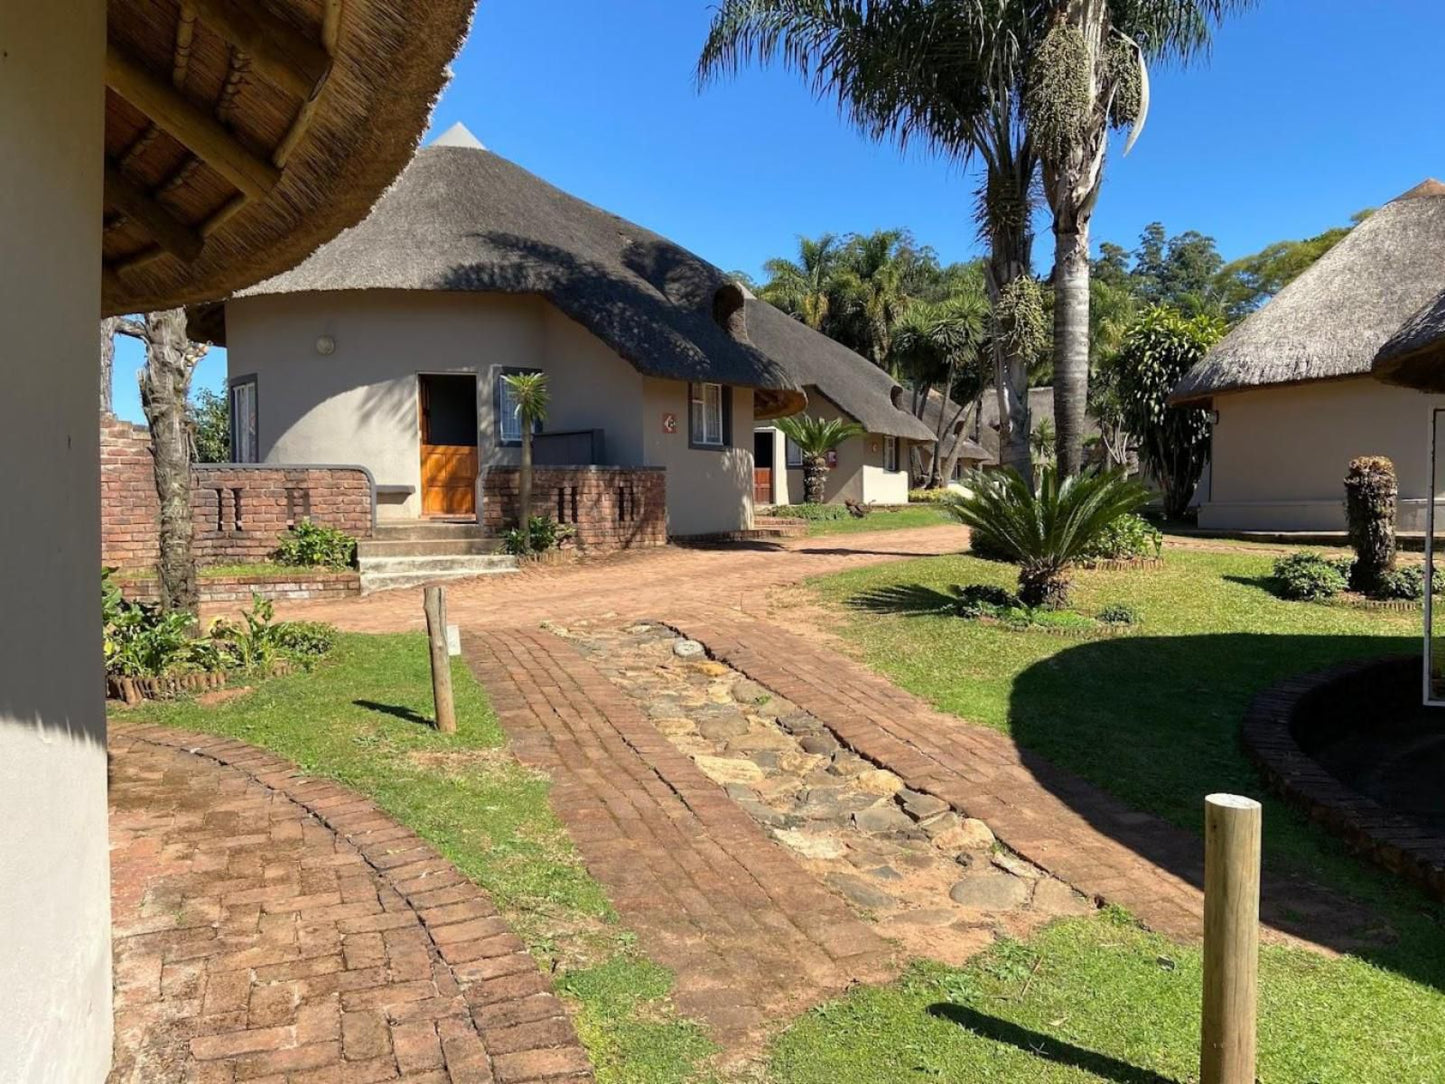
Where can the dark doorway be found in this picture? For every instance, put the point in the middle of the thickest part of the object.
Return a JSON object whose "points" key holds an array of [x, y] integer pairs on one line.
{"points": [[448, 407], [763, 466]]}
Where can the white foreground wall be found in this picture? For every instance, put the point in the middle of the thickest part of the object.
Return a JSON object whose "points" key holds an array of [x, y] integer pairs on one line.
{"points": [[1280, 455], [55, 1010]]}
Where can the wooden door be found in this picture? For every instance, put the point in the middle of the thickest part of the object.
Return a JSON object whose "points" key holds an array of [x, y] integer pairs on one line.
{"points": [[448, 445], [762, 485]]}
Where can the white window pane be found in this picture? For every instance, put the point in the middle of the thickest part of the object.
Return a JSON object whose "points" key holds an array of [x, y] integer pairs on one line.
{"points": [[696, 423], [509, 422], [712, 402]]}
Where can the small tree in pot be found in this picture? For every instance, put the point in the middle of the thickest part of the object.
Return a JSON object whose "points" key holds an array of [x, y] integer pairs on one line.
{"points": [[1370, 494], [529, 393], [815, 438]]}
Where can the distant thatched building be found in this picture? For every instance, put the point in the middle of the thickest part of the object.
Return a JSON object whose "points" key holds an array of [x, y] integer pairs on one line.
{"points": [[1291, 386]]}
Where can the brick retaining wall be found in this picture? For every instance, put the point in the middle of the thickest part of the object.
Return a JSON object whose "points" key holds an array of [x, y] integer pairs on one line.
{"points": [[611, 508], [240, 512], [303, 584]]}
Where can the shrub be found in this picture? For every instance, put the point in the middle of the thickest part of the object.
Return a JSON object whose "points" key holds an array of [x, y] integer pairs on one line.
{"points": [[259, 641], [543, 534], [1401, 583], [1044, 532], [1119, 613], [814, 513], [1370, 492], [1308, 577], [140, 640], [302, 641], [929, 496], [985, 600], [315, 544], [1128, 537]]}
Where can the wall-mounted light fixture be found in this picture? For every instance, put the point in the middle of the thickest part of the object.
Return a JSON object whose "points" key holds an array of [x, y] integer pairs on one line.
{"points": [[325, 346], [1211, 417]]}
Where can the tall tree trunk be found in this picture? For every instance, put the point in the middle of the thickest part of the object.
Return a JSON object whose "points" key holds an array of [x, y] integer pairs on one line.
{"points": [[1071, 346], [524, 488], [815, 478], [164, 388], [108, 327]]}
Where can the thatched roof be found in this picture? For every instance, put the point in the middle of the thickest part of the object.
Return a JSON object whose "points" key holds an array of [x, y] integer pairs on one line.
{"points": [[848, 380], [957, 421], [1041, 407], [1332, 320], [461, 218], [1415, 356], [239, 136]]}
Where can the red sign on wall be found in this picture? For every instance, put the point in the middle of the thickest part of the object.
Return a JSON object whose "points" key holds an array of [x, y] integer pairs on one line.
{"points": [[669, 423]]}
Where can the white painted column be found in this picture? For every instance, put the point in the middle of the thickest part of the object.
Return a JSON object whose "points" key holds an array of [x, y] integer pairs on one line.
{"points": [[55, 982]]}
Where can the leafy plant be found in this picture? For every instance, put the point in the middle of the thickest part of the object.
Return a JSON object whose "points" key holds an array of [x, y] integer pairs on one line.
{"points": [[316, 545], [1126, 538], [210, 418], [1407, 583], [814, 512], [304, 640], [1119, 613], [928, 496], [543, 534], [815, 438], [258, 642], [1173, 441], [1308, 577], [985, 600], [142, 640], [529, 393], [1044, 532]]}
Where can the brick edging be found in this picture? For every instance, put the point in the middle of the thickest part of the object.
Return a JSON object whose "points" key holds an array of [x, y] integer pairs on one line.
{"points": [[523, 1025], [1400, 843]]}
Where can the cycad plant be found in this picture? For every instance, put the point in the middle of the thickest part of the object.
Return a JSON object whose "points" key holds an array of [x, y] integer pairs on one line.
{"points": [[815, 438], [529, 393], [1044, 532]]}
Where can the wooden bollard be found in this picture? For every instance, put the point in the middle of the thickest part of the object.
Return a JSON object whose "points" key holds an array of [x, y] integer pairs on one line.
{"points": [[1231, 939], [435, 602]]}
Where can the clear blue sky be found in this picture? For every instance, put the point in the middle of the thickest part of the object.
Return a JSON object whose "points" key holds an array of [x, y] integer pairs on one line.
{"points": [[1308, 111]]}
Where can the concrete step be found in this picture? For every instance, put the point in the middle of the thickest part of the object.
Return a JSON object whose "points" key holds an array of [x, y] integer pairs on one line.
{"points": [[426, 530], [426, 547], [397, 572]]}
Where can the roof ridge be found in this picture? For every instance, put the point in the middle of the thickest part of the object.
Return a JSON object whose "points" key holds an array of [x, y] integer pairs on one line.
{"points": [[1428, 187]]}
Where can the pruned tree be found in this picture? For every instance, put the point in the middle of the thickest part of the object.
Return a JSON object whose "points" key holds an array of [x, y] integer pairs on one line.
{"points": [[165, 384], [109, 325]]}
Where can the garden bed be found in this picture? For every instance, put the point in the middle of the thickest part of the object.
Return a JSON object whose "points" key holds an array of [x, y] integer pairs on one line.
{"points": [[132, 690]]}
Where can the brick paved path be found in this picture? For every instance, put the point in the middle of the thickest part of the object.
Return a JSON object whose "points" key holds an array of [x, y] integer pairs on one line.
{"points": [[1051, 817], [641, 584], [272, 927], [752, 937]]}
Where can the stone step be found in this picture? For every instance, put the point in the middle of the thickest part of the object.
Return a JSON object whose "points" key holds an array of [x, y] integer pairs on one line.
{"points": [[458, 562], [425, 571], [426, 547], [429, 530]]}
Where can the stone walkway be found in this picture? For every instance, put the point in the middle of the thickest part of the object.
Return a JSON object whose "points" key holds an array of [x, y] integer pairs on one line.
{"points": [[752, 937], [1054, 819], [272, 927]]}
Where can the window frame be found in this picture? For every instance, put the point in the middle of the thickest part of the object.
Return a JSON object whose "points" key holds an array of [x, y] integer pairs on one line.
{"points": [[697, 393], [233, 386], [792, 454], [497, 391], [891, 454]]}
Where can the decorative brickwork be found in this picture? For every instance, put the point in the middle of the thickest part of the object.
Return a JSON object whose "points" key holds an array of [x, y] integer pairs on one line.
{"points": [[303, 584], [240, 512], [611, 508]]}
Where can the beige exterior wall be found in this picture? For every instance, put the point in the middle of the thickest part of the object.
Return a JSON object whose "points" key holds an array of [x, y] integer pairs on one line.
{"points": [[859, 475], [359, 404], [55, 1008], [1279, 455], [708, 490]]}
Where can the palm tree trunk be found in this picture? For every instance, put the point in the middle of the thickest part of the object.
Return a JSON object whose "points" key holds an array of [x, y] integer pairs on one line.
{"points": [[524, 488], [1071, 345], [164, 385], [815, 478]]}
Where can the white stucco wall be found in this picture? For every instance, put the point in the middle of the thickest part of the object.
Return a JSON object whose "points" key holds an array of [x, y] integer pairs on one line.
{"points": [[55, 1008], [1279, 455], [359, 404], [708, 490], [859, 474]]}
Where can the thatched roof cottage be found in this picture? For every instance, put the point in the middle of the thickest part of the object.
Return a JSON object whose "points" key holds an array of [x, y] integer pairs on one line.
{"points": [[388, 347], [1291, 389], [155, 154]]}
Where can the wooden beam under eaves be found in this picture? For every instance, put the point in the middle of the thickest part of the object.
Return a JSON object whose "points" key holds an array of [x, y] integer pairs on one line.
{"points": [[205, 136], [172, 235], [276, 50]]}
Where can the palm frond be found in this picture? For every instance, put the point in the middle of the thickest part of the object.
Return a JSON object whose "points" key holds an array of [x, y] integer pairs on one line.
{"points": [[817, 436]]}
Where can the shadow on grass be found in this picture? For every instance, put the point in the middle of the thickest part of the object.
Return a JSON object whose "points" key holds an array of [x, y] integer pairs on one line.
{"points": [[1268, 584], [1037, 1044], [1114, 726], [406, 715], [905, 599]]}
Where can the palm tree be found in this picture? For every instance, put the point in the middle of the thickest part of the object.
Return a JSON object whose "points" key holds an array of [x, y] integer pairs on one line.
{"points": [[529, 393], [870, 283], [1087, 74], [941, 344], [943, 72], [804, 288], [815, 438], [1044, 532]]}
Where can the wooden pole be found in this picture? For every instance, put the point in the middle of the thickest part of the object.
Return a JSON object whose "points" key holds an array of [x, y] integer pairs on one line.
{"points": [[435, 602], [1231, 939]]}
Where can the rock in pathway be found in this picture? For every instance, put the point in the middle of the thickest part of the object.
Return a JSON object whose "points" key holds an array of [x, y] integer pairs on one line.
{"points": [[859, 890], [990, 892]]}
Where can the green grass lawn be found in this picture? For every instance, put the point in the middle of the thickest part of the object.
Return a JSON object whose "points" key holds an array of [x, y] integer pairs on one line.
{"points": [[917, 515], [361, 718]]}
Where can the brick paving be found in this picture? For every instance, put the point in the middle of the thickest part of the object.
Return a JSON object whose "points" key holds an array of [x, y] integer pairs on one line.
{"points": [[1054, 819], [273, 927], [751, 936]]}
